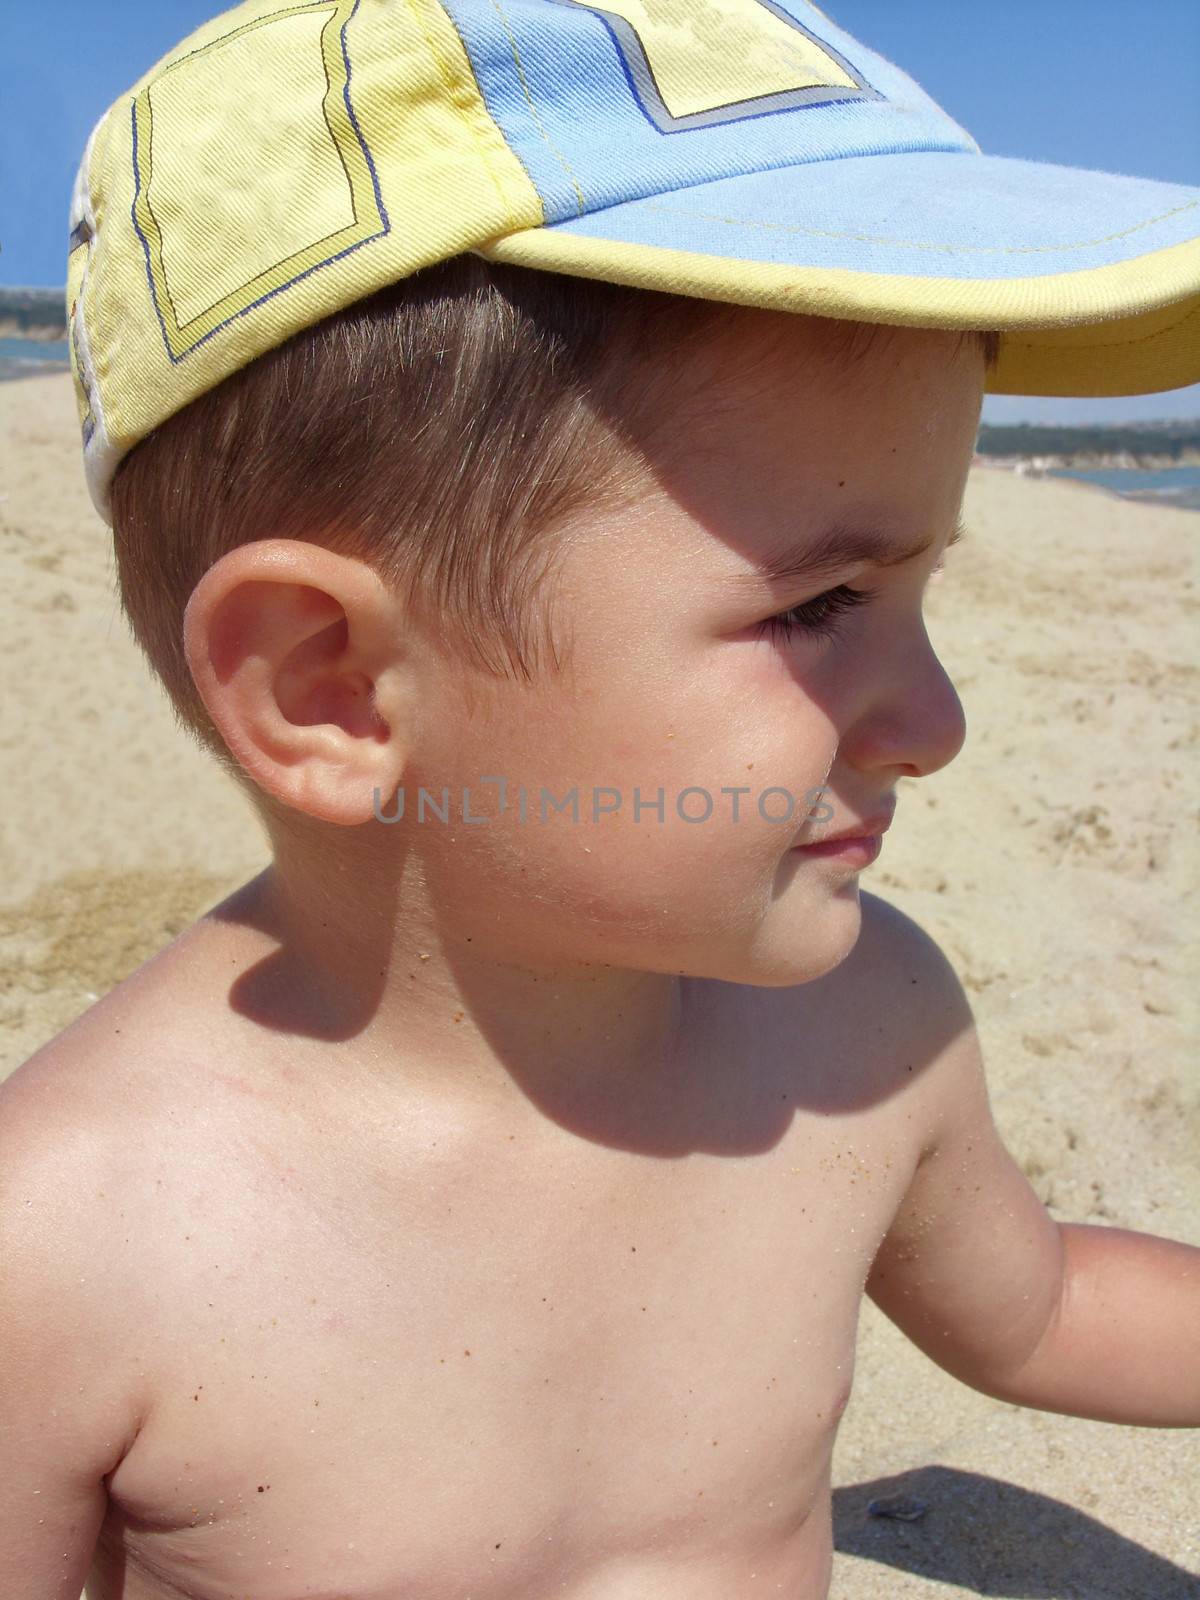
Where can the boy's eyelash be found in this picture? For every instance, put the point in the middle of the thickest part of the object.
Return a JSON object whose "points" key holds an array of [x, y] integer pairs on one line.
{"points": [[816, 617]]}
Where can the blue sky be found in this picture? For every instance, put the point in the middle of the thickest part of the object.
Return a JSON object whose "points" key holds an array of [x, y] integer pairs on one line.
{"points": [[1082, 83]]}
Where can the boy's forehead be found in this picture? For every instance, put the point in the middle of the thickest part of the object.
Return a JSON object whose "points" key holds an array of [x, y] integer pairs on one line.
{"points": [[797, 448], [789, 391], [825, 349], [747, 359]]}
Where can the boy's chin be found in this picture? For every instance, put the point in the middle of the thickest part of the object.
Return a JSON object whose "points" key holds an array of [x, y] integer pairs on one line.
{"points": [[787, 955]]}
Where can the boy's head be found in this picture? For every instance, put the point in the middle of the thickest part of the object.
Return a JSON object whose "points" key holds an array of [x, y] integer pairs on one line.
{"points": [[444, 431], [610, 626], [431, 358]]}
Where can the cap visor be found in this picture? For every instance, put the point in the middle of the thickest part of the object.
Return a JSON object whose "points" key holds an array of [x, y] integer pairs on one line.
{"points": [[1096, 274]]}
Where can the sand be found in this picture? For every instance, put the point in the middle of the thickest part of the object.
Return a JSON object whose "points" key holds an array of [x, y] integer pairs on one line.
{"points": [[1055, 861]]}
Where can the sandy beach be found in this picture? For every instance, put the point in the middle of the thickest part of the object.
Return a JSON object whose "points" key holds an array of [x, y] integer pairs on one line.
{"points": [[1056, 862]]}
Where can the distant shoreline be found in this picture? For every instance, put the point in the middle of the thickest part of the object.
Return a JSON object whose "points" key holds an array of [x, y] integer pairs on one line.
{"points": [[38, 314], [1182, 497], [38, 333], [22, 357], [1165, 502], [1081, 461]]}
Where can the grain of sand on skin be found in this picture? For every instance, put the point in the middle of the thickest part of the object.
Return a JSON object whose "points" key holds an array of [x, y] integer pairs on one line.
{"points": [[1055, 861]]}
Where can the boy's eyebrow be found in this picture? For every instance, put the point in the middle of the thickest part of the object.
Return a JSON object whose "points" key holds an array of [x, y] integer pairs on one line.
{"points": [[842, 545]]}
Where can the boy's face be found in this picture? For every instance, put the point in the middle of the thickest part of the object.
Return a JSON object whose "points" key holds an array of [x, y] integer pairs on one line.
{"points": [[673, 680]]}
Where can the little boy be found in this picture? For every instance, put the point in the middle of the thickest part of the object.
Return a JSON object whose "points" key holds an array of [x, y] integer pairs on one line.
{"points": [[528, 431]]}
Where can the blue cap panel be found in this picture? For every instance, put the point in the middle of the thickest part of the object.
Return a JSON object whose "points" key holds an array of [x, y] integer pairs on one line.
{"points": [[932, 215], [538, 62]]}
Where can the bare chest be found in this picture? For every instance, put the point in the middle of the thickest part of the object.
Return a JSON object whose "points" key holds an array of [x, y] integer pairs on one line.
{"points": [[489, 1368]]}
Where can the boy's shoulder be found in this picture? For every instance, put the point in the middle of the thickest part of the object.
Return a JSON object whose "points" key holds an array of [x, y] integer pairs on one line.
{"points": [[887, 1033], [893, 946], [908, 988], [64, 1107], [143, 1050], [897, 986], [77, 1119], [111, 1067], [73, 1256], [901, 973], [82, 1120]]}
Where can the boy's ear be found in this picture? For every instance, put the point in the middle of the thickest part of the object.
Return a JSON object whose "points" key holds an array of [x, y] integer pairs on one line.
{"points": [[296, 652]]}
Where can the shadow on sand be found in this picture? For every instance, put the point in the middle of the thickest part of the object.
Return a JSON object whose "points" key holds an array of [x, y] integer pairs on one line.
{"points": [[994, 1538]]}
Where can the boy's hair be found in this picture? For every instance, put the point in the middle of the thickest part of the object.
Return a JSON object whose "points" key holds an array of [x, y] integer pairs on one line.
{"points": [[439, 430]]}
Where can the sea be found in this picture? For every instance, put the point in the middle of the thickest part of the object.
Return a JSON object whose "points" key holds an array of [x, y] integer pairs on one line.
{"points": [[23, 358], [1164, 486]]}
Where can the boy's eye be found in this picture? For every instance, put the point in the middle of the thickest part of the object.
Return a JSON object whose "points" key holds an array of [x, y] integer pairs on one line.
{"points": [[816, 617]]}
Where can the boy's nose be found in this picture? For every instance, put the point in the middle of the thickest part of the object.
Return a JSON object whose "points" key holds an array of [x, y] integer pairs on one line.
{"points": [[914, 721]]}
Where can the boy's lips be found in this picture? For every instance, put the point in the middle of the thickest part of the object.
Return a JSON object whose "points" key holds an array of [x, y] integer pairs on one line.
{"points": [[873, 827], [857, 845]]}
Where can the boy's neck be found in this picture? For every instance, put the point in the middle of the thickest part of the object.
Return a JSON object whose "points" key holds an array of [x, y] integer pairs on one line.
{"points": [[391, 995]]}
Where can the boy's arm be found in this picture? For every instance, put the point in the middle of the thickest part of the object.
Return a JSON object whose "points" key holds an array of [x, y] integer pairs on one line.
{"points": [[1090, 1321], [65, 1420]]}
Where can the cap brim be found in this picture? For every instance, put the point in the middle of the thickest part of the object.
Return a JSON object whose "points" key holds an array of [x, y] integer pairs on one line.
{"points": [[1093, 277]]}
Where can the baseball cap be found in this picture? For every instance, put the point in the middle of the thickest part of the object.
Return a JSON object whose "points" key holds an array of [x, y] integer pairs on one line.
{"points": [[288, 159]]}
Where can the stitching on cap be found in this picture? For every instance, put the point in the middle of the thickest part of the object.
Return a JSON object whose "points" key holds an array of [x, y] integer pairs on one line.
{"points": [[580, 201], [914, 244], [448, 81], [1107, 344]]}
